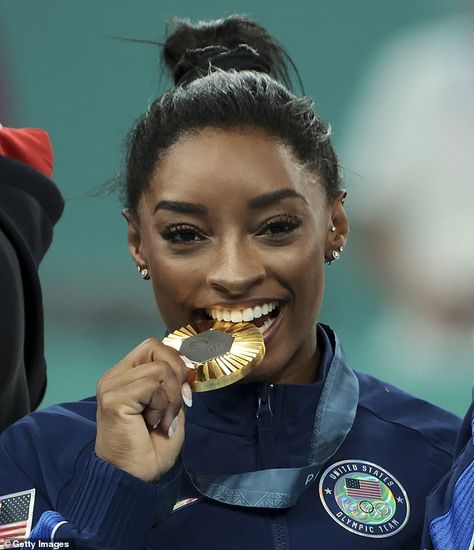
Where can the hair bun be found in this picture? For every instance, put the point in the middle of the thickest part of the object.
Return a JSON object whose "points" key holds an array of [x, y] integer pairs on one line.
{"points": [[197, 63], [231, 43]]}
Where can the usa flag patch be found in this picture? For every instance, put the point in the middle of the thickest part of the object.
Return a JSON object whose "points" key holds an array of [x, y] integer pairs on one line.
{"points": [[16, 515]]}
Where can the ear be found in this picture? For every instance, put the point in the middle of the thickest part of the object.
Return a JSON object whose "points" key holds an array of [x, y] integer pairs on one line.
{"points": [[135, 245], [338, 230]]}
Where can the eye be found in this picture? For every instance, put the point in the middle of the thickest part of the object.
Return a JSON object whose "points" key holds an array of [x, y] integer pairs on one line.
{"points": [[181, 234], [280, 226]]}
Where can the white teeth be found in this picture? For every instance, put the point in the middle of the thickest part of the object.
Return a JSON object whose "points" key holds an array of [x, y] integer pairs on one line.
{"points": [[247, 314], [236, 316], [266, 325], [239, 315]]}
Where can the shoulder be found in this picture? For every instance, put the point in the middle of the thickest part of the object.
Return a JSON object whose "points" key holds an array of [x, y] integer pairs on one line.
{"points": [[45, 448], [68, 424], [21, 183], [450, 507], [30, 205], [391, 405]]}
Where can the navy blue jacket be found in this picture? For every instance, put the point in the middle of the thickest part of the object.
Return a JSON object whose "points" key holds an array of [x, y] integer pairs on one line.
{"points": [[370, 494], [449, 521]]}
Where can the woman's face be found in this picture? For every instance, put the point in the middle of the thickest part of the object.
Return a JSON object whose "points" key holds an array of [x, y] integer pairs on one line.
{"points": [[233, 226]]}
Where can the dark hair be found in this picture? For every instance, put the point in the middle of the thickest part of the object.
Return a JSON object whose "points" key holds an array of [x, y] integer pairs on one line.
{"points": [[210, 93]]}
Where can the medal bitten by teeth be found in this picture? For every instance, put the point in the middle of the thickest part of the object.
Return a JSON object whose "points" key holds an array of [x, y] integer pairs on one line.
{"points": [[222, 352]]}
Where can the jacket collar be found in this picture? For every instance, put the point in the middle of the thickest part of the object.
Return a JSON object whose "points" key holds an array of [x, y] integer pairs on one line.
{"points": [[233, 409]]}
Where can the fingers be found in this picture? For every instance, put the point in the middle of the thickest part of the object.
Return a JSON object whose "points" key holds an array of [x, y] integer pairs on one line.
{"points": [[165, 398], [155, 390], [156, 386], [149, 351], [175, 435], [140, 419], [152, 381]]}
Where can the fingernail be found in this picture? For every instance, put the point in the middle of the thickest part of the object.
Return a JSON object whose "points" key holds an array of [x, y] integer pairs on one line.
{"points": [[187, 362], [172, 428], [187, 394]]}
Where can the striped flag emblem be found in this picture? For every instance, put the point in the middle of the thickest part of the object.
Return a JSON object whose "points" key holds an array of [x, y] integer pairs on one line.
{"points": [[363, 488], [16, 513], [184, 502]]}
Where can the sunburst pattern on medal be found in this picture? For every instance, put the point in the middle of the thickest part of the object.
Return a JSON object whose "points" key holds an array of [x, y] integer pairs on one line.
{"points": [[246, 352]]}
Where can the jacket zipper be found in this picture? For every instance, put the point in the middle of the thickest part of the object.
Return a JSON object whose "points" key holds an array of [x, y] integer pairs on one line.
{"points": [[267, 459], [266, 439]]}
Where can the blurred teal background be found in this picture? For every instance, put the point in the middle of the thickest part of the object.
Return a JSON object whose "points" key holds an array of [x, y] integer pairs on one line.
{"points": [[63, 72]]}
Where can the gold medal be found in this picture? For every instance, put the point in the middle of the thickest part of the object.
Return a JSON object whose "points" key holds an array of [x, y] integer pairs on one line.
{"points": [[222, 352]]}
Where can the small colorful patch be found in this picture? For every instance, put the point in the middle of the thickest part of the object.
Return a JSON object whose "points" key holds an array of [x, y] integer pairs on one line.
{"points": [[364, 498], [184, 502], [16, 515]]}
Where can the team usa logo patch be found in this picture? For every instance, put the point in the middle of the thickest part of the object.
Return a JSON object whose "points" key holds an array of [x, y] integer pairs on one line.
{"points": [[364, 498]]}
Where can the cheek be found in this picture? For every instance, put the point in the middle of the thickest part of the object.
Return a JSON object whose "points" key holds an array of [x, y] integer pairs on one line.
{"points": [[310, 279], [171, 285], [307, 275], [303, 271]]}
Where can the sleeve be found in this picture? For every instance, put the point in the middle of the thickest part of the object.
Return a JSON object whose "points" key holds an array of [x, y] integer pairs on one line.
{"points": [[449, 518], [110, 509], [106, 508], [14, 396]]}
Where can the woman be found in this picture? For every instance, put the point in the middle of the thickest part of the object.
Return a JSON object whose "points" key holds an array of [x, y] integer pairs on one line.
{"points": [[233, 206]]}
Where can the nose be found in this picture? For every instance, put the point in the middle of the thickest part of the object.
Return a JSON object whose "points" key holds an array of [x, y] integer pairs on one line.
{"points": [[235, 268]]}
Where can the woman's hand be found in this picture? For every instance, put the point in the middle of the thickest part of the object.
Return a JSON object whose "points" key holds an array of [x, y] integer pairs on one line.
{"points": [[140, 421]]}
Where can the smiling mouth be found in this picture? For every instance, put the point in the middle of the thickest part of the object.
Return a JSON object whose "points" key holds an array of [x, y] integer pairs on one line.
{"points": [[262, 316]]}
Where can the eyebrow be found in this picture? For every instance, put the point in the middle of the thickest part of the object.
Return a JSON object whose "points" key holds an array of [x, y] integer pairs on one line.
{"points": [[276, 196], [181, 207], [255, 204]]}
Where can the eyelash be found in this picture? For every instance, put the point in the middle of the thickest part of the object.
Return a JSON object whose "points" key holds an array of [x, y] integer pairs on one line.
{"points": [[284, 225], [173, 232]]}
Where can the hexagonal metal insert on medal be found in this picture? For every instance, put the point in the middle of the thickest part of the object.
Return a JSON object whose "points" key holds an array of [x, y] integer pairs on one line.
{"points": [[207, 345]]}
